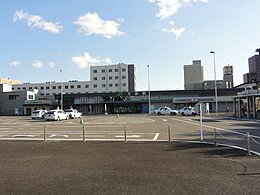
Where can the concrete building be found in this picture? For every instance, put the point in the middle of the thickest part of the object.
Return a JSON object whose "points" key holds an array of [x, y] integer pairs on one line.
{"points": [[193, 74], [254, 67], [108, 78]]}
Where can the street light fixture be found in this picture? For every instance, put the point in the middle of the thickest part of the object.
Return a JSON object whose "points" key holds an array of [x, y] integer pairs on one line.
{"points": [[216, 90], [149, 94], [61, 94]]}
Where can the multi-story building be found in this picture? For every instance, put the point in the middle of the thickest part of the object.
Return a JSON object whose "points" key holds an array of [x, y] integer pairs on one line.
{"points": [[193, 74], [254, 67], [108, 78]]}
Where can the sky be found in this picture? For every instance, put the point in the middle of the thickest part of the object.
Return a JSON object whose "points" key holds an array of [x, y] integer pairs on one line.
{"points": [[40, 38]]}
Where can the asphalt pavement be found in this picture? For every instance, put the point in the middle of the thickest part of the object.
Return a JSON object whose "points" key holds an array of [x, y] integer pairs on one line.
{"points": [[34, 167]]}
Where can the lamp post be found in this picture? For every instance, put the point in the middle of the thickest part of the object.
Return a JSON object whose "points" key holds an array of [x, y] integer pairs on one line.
{"points": [[61, 94], [149, 94], [216, 90]]}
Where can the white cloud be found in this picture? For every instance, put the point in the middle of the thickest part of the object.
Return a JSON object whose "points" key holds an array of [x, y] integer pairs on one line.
{"points": [[35, 21], [51, 64], [91, 23], [37, 64], [15, 63], [173, 29], [168, 8], [86, 60]]}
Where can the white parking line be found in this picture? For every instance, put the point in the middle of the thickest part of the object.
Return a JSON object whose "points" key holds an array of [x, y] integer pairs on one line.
{"points": [[156, 136]]}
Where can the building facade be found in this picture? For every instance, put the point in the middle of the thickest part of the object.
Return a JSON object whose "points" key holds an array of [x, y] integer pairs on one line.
{"points": [[254, 67], [193, 74], [108, 78]]}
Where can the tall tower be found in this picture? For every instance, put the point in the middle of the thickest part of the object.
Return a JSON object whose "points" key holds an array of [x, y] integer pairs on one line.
{"points": [[254, 67], [193, 74], [228, 77]]}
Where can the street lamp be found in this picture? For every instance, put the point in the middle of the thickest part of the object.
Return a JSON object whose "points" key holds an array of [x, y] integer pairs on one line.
{"points": [[216, 90], [149, 94], [61, 94]]}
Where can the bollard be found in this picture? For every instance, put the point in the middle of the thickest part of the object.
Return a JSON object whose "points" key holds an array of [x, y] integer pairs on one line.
{"points": [[125, 133], [215, 137], [44, 133], [84, 139], [81, 121], [169, 134], [248, 143]]}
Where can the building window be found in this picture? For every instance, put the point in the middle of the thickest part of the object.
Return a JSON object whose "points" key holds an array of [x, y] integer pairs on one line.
{"points": [[86, 86], [103, 78], [66, 86], [116, 70], [13, 97], [110, 78], [116, 77], [95, 85], [110, 85], [116, 85], [123, 77], [123, 69], [78, 86], [72, 86], [42, 88], [47, 87], [95, 78], [124, 84], [103, 70], [30, 87], [103, 85], [110, 70], [24, 87], [94, 71], [35, 87], [18, 88], [59, 87], [30, 97], [53, 87]]}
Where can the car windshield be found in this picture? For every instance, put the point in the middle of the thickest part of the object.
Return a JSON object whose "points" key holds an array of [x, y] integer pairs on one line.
{"points": [[36, 112], [50, 112]]}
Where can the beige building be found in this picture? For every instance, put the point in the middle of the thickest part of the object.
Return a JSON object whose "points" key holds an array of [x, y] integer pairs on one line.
{"points": [[9, 81], [193, 74]]}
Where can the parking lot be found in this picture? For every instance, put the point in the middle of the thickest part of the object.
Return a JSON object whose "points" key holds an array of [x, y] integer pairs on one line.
{"points": [[146, 164]]}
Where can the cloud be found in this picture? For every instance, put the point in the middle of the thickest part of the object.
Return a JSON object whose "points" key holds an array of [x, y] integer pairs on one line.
{"points": [[15, 63], [86, 60], [168, 8], [177, 31], [35, 21], [91, 23], [37, 64], [51, 64]]}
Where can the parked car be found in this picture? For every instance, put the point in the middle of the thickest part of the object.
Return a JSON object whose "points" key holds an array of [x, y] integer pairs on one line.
{"points": [[73, 113], [187, 111], [165, 111], [56, 115], [38, 114]]}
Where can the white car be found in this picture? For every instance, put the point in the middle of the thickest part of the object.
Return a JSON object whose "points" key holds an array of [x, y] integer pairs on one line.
{"points": [[56, 115], [38, 114], [165, 111], [187, 111], [73, 113]]}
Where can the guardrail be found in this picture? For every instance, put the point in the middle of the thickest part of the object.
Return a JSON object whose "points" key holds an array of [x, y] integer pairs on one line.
{"points": [[216, 136]]}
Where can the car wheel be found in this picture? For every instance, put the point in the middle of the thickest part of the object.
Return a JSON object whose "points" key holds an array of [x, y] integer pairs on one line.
{"points": [[193, 114], [159, 113], [58, 118], [182, 113], [67, 117], [173, 113]]}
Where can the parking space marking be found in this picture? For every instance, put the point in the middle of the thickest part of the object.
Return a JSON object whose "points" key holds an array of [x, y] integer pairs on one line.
{"points": [[156, 136]]}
